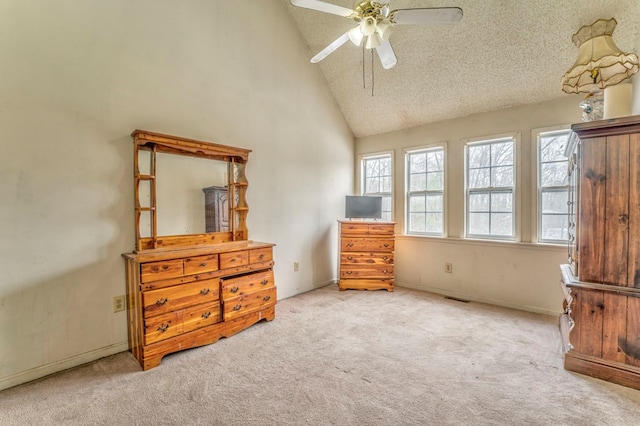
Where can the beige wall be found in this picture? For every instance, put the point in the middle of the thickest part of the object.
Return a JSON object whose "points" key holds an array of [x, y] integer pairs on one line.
{"points": [[522, 275], [77, 78]]}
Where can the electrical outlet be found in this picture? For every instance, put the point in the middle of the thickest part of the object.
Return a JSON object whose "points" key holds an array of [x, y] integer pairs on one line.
{"points": [[119, 303], [448, 268], [296, 266]]}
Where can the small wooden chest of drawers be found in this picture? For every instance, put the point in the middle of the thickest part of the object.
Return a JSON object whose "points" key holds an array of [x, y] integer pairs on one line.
{"points": [[366, 255], [189, 297]]}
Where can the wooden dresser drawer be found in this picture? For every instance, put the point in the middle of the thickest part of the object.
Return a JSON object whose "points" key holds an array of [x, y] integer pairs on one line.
{"points": [[164, 326], [260, 255], [234, 259], [366, 258], [366, 244], [168, 299], [238, 286], [249, 302], [201, 316], [200, 264], [355, 228], [382, 229], [366, 271], [155, 271]]}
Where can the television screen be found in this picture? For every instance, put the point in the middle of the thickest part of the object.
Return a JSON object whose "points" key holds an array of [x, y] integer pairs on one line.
{"points": [[363, 207]]}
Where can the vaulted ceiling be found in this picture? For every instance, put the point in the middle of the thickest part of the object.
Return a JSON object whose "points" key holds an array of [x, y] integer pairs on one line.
{"points": [[502, 53]]}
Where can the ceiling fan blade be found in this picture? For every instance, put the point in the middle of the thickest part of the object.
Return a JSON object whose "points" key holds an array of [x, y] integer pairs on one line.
{"points": [[432, 15], [323, 7], [387, 55], [330, 48]]}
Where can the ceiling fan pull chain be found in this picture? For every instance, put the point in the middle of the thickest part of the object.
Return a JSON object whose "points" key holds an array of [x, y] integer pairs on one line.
{"points": [[372, 79], [364, 81]]}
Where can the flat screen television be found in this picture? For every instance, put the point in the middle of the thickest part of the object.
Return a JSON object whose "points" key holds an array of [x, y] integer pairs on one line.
{"points": [[363, 207]]}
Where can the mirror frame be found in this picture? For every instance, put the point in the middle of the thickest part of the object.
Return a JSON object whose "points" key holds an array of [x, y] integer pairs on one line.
{"points": [[236, 159]]}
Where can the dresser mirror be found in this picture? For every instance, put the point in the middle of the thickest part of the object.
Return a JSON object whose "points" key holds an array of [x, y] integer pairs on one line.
{"points": [[181, 191]]}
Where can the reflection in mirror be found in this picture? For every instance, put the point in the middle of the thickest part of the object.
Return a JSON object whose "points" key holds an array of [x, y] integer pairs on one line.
{"points": [[180, 200]]}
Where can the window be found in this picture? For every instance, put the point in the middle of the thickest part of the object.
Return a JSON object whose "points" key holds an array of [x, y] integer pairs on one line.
{"points": [[377, 179], [490, 188], [553, 186], [425, 191]]}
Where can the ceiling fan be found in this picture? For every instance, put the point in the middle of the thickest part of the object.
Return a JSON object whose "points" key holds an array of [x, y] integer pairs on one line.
{"points": [[376, 21]]}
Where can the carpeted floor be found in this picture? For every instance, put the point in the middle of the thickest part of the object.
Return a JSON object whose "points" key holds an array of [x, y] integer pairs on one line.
{"points": [[343, 358]]}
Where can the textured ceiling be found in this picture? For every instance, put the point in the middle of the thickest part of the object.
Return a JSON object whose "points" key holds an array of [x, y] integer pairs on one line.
{"points": [[502, 53]]}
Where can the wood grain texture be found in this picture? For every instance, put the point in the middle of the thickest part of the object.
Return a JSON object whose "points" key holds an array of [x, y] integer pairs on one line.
{"points": [[592, 210], [634, 211], [616, 217], [614, 327]]}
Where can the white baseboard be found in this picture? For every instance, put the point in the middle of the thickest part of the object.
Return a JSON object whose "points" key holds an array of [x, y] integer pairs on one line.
{"points": [[480, 299], [63, 364]]}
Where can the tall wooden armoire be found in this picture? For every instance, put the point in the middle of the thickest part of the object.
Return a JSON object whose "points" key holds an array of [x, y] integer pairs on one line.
{"points": [[601, 323]]}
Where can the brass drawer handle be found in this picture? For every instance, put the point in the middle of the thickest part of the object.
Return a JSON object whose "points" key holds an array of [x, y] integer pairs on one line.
{"points": [[349, 257], [165, 267], [203, 264], [350, 245], [264, 282], [237, 307], [266, 298], [348, 272], [261, 256], [233, 259], [163, 328], [162, 301], [204, 291], [385, 245], [234, 289], [206, 315]]}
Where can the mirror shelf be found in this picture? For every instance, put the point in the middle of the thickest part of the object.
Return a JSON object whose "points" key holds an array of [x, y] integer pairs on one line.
{"points": [[147, 146]]}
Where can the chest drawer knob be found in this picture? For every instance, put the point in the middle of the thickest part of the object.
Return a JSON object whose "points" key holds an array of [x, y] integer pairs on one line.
{"points": [[349, 257], [264, 282], [348, 272], [385, 245], [163, 328], [234, 289], [237, 307], [162, 301], [266, 298], [206, 315], [203, 264], [261, 256], [350, 245], [204, 291]]}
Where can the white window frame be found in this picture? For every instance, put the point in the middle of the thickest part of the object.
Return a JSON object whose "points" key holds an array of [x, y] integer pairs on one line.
{"points": [[537, 194], [515, 188], [417, 150], [362, 177]]}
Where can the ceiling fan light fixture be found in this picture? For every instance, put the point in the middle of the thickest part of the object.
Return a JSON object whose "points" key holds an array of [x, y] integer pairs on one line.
{"points": [[356, 36], [384, 30], [373, 41], [368, 26]]}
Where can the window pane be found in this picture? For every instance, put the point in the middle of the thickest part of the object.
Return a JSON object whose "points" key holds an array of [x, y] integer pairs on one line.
{"points": [[479, 223], [434, 223], [435, 161], [434, 203], [385, 167], [501, 224], [555, 227], [417, 163], [479, 156], [502, 154], [501, 202], [434, 181], [385, 184], [418, 182], [479, 178], [386, 203], [372, 167], [417, 203], [417, 222], [502, 176], [479, 202], [552, 147], [555, 202], [554, 174]]}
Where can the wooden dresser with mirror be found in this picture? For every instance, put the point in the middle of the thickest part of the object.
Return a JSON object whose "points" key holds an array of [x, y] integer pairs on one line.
{"points": [[194, 275]]}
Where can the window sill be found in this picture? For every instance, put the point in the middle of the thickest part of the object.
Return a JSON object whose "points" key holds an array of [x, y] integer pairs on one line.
{"points": [[479, 242]]}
